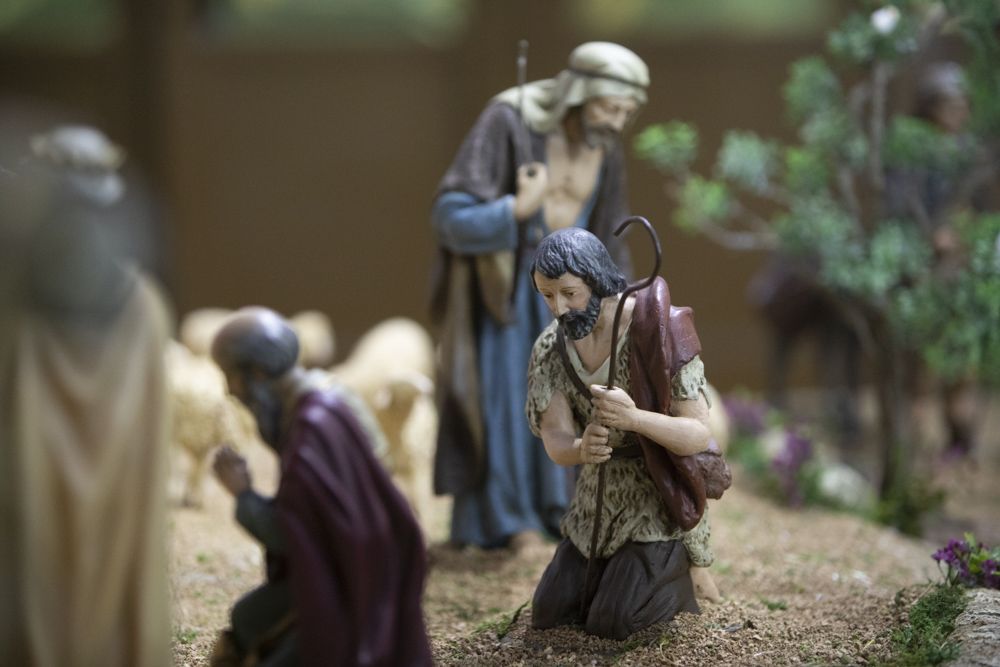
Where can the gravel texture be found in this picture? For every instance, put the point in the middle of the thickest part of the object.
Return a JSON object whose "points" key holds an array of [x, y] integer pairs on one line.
{"points": [[799, 586]]}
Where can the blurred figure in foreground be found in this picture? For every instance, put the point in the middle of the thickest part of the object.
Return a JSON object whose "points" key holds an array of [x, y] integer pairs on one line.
{"points": [[82, 422], [345, 556]]}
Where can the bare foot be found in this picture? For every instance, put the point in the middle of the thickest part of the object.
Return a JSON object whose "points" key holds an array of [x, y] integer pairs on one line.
{"points": [[704, 585]]}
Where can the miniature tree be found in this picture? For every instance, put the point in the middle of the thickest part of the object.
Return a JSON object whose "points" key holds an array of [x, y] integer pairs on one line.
{"points": [[829, 193]]}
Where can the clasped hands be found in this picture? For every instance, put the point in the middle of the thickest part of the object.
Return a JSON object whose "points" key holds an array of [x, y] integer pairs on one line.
{"points": [[613, 408]]}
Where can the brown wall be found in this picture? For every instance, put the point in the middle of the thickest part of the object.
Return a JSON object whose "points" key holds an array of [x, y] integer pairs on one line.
{"points": [[301, 178]]}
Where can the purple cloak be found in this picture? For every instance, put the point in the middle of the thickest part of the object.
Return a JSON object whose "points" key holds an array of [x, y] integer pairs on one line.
{"points": [[355, 554]]}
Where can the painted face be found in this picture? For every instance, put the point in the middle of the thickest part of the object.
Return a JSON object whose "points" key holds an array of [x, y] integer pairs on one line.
{"points": [[260, 401], [571, 301], [604, 118]]}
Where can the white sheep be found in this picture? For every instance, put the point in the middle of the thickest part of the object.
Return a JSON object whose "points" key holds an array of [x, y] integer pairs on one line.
{"points": [[203, 414], [390, 369], [316, 338]]}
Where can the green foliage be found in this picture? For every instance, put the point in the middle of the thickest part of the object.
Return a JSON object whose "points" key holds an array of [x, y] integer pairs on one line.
{"points": [[907, 503], [894, 256], [186, 637], [774, 605], [977, 20], [748, 161], [859, 41], [812, 87], [806, 172], [969, 563], [671, 147], [832, 203], [501, 624], [955, 320], [912, 143], [834, 133], [854, 41], [701, 202], [923, 639], [815, 226]]}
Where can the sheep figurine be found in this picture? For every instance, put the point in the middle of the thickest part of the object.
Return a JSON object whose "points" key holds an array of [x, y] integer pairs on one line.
{"points": [[203, 415], [316, 338], [390, 369]]}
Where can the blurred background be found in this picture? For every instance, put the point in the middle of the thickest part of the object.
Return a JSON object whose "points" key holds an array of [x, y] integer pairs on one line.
{"points": [[290, 149]]}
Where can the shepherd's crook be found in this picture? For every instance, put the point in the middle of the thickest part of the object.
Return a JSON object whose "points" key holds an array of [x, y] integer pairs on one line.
{"points": [[612, 369], [522, 79]]}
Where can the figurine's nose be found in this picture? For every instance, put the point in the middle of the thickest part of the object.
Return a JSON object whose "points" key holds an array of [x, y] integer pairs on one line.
{"points": [[561, 307]]}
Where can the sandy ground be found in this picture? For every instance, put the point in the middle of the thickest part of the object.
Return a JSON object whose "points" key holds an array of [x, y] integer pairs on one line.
{"points": [[799, 586]]}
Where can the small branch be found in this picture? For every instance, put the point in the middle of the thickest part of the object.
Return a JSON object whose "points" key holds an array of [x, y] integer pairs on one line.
{"points": [[742, 241], [876, 124], [854, 315], [845, 184], [857, 98]]}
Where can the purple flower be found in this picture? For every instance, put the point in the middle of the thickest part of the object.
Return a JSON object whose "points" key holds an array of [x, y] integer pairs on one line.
{"points": [[967, 564], [747, 415], [788, 463]]}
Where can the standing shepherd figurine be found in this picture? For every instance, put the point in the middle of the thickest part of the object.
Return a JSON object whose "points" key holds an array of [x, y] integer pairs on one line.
{"points": [[636, 524], [542, 156]]}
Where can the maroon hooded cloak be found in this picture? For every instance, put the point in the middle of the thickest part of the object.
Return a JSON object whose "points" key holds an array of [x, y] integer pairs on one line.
{"points": [[355, 553]]}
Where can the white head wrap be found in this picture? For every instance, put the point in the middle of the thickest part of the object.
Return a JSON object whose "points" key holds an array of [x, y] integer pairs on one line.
{"points": [[596, 69]]}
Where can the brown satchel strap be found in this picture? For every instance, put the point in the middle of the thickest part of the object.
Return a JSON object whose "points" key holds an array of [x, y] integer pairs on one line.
{"points": [[568, 365]]}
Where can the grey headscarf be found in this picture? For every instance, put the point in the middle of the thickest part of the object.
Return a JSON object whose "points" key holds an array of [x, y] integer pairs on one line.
{"points": [[596, 69], [87, 158]]}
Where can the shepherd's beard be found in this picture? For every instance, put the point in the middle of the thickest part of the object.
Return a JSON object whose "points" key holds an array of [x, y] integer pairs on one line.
{"points": [[579, 323]]}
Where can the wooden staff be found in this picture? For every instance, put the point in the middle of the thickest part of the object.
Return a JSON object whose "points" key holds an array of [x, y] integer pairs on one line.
{"points": [[612, 369]]}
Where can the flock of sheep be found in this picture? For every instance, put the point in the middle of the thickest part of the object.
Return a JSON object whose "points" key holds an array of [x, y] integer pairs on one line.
{"points": [[386, 378]]}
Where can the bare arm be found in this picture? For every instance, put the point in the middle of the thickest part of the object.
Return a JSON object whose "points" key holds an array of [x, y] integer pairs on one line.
{"points": [[685, 432], [558, 432]]}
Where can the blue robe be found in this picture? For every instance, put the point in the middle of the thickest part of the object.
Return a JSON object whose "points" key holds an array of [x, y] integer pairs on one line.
{"points": [[524, 489], [502, 480]]}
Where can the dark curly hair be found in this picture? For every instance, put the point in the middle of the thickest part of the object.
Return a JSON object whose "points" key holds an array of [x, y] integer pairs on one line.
{"points": [[577, 251]]}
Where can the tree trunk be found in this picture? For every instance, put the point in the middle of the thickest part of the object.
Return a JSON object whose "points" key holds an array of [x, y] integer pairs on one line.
{"points": [[893, 431]]}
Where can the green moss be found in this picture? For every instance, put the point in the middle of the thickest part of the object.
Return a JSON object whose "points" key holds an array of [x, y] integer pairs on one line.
{"points": [[774, 605], [501, 624], [923, 640], [186, 637]]}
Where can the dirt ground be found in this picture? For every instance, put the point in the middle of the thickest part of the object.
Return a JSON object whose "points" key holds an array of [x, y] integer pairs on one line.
{"points": [[799, 586]]}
